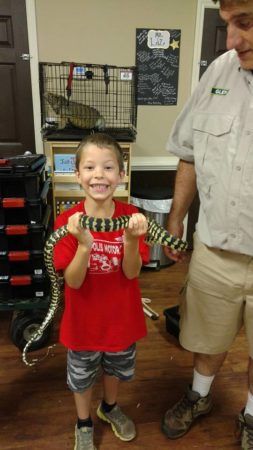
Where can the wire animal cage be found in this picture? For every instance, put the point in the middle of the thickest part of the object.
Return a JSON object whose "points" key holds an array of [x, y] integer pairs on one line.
{"points": [[77, 99]]}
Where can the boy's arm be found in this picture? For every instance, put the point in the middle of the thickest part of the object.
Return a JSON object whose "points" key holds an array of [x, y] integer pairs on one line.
{"points": [[132, 261], [75, 273]]}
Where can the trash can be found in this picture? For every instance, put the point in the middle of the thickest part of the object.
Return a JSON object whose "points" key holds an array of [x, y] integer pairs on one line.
{"points": [[155, 204]]}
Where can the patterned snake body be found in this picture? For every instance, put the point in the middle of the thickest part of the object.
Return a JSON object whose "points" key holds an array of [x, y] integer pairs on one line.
{"points": [[155, 235]]}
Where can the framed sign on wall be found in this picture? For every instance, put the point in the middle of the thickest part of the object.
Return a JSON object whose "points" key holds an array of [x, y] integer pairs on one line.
{"points": [[157, 61]]}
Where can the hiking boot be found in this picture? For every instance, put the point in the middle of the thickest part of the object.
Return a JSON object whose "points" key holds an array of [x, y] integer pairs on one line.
{"points": [[84, 438], [122, 426], [178, 420], [245, 425]]}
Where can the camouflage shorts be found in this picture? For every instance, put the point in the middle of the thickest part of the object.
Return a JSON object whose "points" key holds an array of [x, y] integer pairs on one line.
{"points": [[84, 367]]}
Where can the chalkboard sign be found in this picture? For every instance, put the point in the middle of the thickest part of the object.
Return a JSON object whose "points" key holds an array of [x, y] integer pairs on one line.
{"points": [[157, 61]]}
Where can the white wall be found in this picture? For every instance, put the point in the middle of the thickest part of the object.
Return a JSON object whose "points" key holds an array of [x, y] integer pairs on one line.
{"points": [[103, 32]]}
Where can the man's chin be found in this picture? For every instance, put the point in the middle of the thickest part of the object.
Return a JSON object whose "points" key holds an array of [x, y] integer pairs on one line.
{"points": [[246, 63], [246, 66]]}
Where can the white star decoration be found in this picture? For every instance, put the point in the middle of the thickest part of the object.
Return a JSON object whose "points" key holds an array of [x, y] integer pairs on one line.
{"points": [[174, 44]]}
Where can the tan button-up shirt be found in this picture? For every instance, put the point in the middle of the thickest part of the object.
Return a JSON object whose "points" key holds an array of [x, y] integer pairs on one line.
{"points": [[215, 131]]}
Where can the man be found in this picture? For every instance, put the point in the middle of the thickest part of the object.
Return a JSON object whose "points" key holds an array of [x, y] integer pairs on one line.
{"points": [[213, 138]]}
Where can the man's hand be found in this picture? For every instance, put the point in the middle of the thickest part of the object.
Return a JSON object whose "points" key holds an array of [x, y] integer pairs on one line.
{"points": [[176, 229]]}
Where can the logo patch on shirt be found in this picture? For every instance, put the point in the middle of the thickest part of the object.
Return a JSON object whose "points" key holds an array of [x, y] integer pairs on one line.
{"points": [[219, 91]]}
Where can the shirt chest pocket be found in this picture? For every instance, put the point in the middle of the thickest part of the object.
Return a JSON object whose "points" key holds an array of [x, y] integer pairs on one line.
{"points": [[211, 138]]}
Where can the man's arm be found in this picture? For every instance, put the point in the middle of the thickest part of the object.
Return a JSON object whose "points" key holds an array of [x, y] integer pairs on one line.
{"points": [[184, 193]]}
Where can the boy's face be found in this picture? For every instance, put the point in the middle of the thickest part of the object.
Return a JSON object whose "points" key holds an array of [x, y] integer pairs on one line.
{"points": [[239, 19], [99, 172]]}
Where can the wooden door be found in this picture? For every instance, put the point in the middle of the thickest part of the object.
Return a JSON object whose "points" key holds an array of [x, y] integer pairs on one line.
{"points": [[213, 38], [16, 108], [213, 45]]}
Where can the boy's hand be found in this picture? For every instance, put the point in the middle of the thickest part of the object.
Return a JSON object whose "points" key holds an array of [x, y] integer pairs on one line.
{"points": [[137, 226], [83, 235]]}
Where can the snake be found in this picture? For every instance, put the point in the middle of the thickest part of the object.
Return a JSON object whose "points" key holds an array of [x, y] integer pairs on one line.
{"points": [[156, 234]]}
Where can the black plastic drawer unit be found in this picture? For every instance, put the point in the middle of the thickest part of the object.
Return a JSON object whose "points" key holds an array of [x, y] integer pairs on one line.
{"points": [[22, 262], [21, 163], [23, 287], [25, 237], [20, 210], [17, 179]]}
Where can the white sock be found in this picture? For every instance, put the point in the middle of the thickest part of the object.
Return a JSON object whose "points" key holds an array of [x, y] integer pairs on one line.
{"points": [[202, 383], [249, 404]]}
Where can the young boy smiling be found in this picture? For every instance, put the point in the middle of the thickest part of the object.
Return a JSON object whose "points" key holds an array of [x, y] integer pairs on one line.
{"points": [[103, 316]]}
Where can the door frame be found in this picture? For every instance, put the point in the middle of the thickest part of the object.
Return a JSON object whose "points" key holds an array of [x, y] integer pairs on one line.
{"points": [[34, 68], [202, 5]]}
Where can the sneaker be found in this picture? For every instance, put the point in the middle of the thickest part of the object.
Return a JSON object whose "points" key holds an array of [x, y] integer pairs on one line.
{"points": [[178, 420], [122, 426], [245, 425], [84, 438]]}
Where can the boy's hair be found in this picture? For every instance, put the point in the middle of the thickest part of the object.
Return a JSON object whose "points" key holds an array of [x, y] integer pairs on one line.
{"points": [[101, 140], [224, 3]]}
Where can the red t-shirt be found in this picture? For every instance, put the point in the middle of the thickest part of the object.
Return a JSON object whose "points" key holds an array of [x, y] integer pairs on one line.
{"points": [[105, 313]]}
